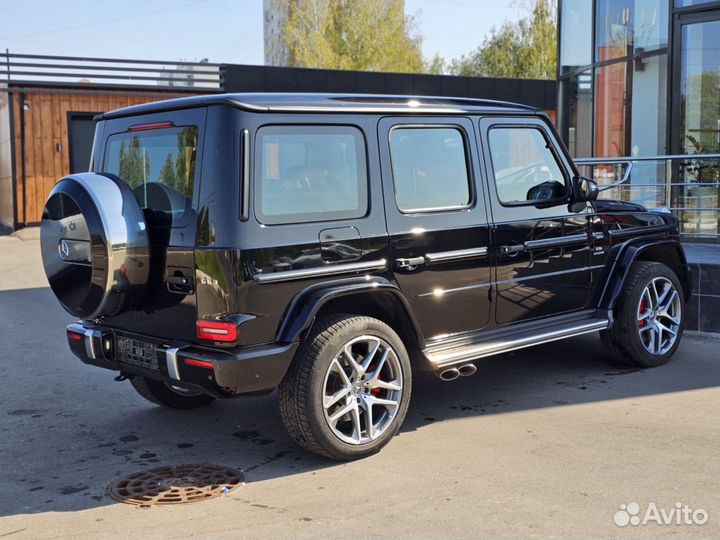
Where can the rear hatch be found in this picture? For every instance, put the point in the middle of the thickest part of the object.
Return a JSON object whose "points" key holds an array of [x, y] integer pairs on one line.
{"points": [[159, 157]]}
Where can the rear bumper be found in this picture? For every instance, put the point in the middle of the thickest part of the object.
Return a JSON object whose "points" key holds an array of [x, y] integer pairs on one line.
{"points": [[219, 372]]}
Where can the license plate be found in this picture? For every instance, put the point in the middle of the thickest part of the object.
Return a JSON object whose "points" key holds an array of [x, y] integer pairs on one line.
{"points": [[135, 352]]}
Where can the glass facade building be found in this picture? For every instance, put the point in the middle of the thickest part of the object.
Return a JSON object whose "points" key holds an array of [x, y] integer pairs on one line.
{"points": [[641, 79]]}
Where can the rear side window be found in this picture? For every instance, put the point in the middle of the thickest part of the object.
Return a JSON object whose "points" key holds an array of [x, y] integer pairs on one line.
{"points": [[430, 169], [310, 173], [159, 166]]}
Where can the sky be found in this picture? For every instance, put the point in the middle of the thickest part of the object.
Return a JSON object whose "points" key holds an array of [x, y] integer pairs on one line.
{"points": [[219, 30]]}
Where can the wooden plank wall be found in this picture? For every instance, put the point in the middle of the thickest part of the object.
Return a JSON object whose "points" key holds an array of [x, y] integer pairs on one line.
{"points": [[47, 146]]}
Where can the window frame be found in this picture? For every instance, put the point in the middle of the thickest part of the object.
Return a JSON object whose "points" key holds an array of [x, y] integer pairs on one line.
{"points": [[468, 169], [255, 176], [185, 218], [556, 156]]}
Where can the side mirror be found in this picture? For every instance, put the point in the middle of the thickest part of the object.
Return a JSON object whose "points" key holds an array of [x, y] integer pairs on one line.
{"points": [[582, 191]]}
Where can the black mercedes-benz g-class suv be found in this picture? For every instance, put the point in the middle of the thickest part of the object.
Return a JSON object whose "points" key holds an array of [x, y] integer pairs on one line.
{"points": [[328, 246]]}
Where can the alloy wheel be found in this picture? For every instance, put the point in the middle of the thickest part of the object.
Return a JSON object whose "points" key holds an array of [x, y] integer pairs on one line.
{"points": [[659, 315], [362, 390]]}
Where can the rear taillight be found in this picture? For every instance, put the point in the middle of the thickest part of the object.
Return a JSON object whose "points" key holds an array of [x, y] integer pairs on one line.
{"points": [[225, 332], [74, 336]]}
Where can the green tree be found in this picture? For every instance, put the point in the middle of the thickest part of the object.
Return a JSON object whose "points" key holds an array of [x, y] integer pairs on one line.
{"points": [[134, 165], [436, 66], [167, 172], [524, 49], [699, 128], [364, 35], [185, 161]]}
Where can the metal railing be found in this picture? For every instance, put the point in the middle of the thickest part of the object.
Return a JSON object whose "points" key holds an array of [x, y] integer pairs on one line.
{"points": [[688, 185], [71, 70]]}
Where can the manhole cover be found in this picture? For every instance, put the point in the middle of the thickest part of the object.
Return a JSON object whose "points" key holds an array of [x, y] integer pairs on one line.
{"points": [[176, 485]]}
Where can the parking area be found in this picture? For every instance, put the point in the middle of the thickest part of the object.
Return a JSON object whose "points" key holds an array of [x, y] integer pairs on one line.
{"points": [[545, 442]]}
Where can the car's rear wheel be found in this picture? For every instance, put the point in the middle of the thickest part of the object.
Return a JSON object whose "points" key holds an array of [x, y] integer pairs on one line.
{"points": [[167, 395], [649, 317], [348, 389]]}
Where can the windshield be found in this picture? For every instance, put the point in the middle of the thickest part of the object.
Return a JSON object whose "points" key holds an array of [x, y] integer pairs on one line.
{"points": [[159, 166]]}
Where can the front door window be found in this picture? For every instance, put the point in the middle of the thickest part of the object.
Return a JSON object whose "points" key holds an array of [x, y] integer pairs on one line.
{"points": [[526, 171]]}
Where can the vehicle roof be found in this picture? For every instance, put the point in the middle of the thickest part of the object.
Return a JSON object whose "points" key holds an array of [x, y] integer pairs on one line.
{"points": [[321, 103]]}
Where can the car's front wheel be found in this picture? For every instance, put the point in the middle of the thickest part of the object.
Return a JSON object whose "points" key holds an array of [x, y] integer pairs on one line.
{"points": [[348, 389], [649, 317]]}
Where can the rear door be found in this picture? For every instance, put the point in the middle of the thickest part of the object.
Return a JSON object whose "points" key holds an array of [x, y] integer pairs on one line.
{"points": [[160, 157], [542, 249], [437, 222], [316, 210]]}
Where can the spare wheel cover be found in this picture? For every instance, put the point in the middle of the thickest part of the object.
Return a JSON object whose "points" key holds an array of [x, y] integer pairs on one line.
{"points": [[94, 245]]}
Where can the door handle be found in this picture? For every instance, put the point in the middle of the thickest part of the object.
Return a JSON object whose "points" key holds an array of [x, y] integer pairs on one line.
{"points": [[409, 263], [512, 250], [179, 284]]}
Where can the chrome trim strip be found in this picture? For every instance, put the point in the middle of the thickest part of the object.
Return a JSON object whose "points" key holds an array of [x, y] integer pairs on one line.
{"points": [[443, 292], [327, 270], [245, 177], [556, 242], [558, 273], [443, 360], [90, 344], [76, 328], [127, 238], [599, 235], [172, 366], [372, 109], [456, 254], [435, 209], [631, 231]]}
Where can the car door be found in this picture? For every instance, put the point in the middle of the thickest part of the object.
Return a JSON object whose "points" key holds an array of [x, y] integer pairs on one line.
{"points": [[543, 253], [437, 221]]}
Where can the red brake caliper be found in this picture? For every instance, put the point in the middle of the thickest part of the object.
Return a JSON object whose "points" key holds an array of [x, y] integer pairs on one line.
{"points": [[374, 391], [641, 323]]}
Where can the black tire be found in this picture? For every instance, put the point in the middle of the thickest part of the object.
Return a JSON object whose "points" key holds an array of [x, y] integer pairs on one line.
{"points": [[161, 394], [301, 392], [623, 342]]}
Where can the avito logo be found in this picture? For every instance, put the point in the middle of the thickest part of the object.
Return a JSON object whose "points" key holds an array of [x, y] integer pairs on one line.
{"points": [[680, 514]]}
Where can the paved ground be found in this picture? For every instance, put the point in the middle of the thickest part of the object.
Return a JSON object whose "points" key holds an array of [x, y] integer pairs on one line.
{"points": [[548, 442]]}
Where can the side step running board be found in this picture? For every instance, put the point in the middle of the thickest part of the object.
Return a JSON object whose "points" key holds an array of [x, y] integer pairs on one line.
{"points": [[446, 357]]}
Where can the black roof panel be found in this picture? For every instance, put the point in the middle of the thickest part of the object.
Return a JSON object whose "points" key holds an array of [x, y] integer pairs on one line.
{"points": [[350, 103]]}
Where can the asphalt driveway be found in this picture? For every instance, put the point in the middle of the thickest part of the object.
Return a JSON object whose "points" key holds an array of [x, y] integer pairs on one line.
{"points": [[545, 442]]}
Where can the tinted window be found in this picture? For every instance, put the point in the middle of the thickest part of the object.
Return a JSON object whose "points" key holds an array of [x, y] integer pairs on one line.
{"points": [[159, 166], [576, 98], [576, 32], [429, 168], [525, 168], [625, 27], [311, 173]]}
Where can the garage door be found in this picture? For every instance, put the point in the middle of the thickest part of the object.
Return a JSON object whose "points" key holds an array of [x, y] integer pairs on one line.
{"points": [[81, 131]]}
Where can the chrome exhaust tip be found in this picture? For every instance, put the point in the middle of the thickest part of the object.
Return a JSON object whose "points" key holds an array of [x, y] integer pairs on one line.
{"points": [[450, 374], [466, 370]]}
